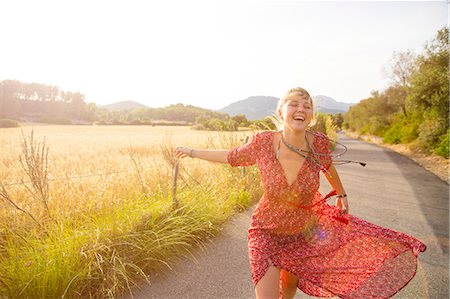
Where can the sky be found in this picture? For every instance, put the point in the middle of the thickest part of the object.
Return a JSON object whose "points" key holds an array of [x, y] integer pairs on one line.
{"points": [[210, 53]]}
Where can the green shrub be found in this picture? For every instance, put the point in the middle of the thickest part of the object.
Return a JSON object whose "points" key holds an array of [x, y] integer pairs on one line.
{"points": [[393, 135], [325, 124], [402, 130], [409, 132], [443, 149], [267, 123], [215, 124], [431, 130]]}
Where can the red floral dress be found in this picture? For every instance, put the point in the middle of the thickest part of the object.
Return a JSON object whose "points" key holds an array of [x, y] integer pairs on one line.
{"points": [[293, 228]]}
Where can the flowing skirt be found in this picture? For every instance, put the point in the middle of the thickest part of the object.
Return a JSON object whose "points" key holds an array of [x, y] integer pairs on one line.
{"points": [[342, 256]]}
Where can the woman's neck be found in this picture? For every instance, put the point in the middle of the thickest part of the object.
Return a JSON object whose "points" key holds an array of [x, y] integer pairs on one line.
{"points": [[295, 138]]}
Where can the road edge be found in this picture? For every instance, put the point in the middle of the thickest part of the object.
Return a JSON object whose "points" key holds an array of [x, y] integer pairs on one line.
{"points": [[439, 169]]}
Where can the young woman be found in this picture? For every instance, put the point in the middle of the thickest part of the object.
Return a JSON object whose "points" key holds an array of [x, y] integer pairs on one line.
{"points": [[297, 240]]}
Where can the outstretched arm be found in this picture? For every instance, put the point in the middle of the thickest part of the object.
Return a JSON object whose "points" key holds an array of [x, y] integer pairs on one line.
{"points": [[209, 155], [335, 182]]}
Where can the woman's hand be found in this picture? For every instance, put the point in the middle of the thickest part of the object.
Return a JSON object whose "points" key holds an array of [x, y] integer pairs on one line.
{"points": [[183, 152], [208, 155], [342, 204]]}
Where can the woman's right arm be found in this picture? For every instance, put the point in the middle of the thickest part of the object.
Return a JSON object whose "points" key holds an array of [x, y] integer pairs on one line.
{"points": [[220, 156]]}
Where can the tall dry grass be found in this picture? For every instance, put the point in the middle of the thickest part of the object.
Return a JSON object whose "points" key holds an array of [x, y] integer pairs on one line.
{"points": [[89, 211]]}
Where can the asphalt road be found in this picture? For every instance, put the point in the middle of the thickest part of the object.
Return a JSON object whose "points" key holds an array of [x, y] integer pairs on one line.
{"points": [[392, 191]]}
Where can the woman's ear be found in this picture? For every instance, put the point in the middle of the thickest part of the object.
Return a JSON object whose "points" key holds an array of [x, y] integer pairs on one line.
{"points": [[280, 114]]}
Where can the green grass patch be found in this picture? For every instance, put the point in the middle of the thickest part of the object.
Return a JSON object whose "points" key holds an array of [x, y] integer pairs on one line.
{"points": [[103, 253]]}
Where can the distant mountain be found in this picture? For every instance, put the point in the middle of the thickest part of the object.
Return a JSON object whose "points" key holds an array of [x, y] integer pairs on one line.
{"points": [[258, 107], [124, 105], [255, 107], [329, 105]]}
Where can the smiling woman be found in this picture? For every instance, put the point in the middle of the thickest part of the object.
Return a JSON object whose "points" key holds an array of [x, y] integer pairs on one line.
{"points": [[295, 236]]}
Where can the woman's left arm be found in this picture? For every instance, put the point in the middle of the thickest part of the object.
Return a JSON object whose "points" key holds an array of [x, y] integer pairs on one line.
{"points": [[335, 182]]}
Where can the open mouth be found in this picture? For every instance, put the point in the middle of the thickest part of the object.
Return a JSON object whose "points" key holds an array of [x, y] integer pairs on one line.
{"points": [[299, 118]]}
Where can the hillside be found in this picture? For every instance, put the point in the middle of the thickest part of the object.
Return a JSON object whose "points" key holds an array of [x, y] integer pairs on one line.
{"points": [[255, 107], [124, 105], [258, 107], [327, 104]]}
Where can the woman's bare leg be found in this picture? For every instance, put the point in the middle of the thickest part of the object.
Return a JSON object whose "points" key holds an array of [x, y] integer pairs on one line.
{"points": [[269, 285], [288, 284]]}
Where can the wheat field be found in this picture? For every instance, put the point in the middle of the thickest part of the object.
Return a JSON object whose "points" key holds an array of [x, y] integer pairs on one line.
{"points": [[89, 210]]}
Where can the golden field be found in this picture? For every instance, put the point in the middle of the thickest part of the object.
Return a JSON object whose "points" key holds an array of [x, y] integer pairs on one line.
{"points": [[94, 215]]}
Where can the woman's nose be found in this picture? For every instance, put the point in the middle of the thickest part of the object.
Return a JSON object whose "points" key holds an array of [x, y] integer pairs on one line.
{"points": [[299, 108]]}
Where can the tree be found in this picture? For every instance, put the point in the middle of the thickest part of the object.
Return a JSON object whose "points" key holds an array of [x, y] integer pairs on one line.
{"points": [[9, 100], [338, 119], [77, 104], [401, 67], [430, 79], [372, 115], [396, 98], [429, 92], [241, 119]]}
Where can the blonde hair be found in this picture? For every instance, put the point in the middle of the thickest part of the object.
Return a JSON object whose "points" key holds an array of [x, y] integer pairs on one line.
{"points": [[285, 99]]}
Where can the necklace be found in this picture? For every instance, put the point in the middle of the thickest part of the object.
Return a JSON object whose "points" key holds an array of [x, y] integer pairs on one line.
{"points": [[293, 148], [315, 156], [299, 151]]}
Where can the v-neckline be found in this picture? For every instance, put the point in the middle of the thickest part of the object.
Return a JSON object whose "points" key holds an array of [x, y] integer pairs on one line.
{"points": [[272, 149]]}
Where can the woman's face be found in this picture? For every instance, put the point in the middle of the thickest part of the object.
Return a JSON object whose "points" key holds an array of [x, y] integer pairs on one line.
{"points": [[296, 113]]}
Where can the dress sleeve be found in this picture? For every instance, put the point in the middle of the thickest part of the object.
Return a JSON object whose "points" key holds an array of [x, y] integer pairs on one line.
{"points": [[245, 155], [324, 150]]}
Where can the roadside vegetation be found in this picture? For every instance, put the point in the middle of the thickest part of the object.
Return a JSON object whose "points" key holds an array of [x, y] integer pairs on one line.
{"points": [[414, 109], [89, 213]]}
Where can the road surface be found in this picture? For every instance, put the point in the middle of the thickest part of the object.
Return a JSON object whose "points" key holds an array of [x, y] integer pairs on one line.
{"points": [[392, 191]]}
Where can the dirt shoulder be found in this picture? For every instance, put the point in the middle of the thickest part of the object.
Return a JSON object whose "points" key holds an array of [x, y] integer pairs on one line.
{"points": [[433, 163]]}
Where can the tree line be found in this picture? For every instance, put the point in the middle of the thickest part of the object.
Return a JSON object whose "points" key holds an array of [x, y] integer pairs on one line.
{"points": [[36, 102], [414, 108], [49, 104], [175, 114]]}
